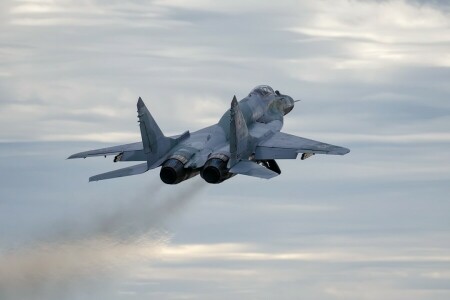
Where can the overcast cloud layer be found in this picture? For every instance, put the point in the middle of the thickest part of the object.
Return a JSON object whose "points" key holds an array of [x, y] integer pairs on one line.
{"points": [[373, 76]]}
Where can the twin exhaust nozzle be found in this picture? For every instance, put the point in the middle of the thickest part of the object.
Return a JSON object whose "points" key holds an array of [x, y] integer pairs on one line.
{"points": [[214, 171]]}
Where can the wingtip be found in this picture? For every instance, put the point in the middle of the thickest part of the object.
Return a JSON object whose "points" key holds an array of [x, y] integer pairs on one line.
{"points": [[140, 103], [83, 154]]}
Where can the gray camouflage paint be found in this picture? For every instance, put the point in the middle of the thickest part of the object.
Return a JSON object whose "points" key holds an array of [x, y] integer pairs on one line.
{"points": [[246, 139]]}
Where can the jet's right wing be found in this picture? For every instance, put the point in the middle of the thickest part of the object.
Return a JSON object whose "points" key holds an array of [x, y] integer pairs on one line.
{"points": [[286, 146]]}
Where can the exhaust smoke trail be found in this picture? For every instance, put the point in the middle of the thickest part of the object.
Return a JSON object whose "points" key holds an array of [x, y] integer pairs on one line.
{"points": [[78, 260]]}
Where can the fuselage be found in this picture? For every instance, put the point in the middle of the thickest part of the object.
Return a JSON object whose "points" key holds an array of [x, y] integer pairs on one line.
{"points": [[261, 106], [263, 111]]}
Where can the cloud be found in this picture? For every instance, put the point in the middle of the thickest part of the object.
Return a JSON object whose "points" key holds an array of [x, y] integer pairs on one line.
{"points": [[63, 269], [68, 258], [249, 270], [242, 252], [372, 76], [70, 83]]}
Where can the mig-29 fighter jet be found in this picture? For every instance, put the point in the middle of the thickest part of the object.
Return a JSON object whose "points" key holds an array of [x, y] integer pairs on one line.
{"points": [[246, 140]]}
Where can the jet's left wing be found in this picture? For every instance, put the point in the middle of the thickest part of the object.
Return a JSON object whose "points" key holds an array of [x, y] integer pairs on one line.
{"points": [[128, 171], [109, 150], [286, 146]]}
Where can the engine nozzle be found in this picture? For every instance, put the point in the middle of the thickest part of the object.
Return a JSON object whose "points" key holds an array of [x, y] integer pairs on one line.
{"points": [[216, 171], [173, 172]]}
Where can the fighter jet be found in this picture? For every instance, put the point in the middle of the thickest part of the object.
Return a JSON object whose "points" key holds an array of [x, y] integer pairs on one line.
{"points": [[246, 140]]}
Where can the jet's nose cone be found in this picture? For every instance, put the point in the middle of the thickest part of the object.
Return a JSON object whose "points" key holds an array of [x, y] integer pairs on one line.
{"points": [[288, 104]]}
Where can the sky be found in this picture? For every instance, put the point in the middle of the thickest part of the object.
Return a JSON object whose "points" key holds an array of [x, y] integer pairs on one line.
{"points": [[372, 76]]}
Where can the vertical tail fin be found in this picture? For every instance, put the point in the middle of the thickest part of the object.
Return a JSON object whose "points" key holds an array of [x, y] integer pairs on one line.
{"points": [[156, 144], [242, 145], [240, 140], [150, 131]]}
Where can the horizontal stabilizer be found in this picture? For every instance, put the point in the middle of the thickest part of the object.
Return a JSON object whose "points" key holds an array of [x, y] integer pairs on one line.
{"points": [[251, 168], [133, 170]]}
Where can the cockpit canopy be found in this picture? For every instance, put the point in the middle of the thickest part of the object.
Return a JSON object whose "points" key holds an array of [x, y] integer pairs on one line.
{"points": [[262, 90]]}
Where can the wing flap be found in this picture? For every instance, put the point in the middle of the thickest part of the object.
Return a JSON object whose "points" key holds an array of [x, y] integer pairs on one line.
{"points": [[133, 170], [286, 146], [251, 168]]}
